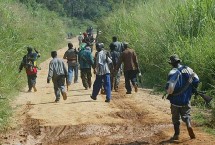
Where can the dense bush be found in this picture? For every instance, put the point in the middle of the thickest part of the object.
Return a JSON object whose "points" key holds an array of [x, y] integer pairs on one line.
{"points": [[157, 29], [21, 27]]}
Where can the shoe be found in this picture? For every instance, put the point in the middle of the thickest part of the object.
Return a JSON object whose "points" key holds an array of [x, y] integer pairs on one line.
{"points": [[191, 133], [128, 92], [64, 95], [107, 101], [86, 88], [136, 88], [35, 89], [94, 98], [56, 101], [103, 91], [116, 89], [175, 137], [29, 91]]}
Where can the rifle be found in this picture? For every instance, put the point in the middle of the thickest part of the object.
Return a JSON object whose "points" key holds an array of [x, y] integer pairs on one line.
{"points": [[36, 50], [206, 98]]}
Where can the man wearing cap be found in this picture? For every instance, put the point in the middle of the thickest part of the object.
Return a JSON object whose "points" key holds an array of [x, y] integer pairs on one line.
{"points": [[29, 63], [131, 67], [182, 83], [58, 73], [102, 73]]}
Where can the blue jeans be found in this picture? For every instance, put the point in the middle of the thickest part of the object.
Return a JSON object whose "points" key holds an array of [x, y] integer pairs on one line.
{"points": [[72, 69], [98, 84]]}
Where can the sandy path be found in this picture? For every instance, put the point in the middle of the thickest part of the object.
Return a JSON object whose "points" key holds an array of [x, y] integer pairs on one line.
{"points": [[140, 118]]}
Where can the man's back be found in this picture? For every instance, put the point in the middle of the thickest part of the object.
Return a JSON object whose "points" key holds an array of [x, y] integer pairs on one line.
{"points": [[80, 38], [85, 59], [129, 59], [118, 46], [71, 56], [115, 57], [57, 67]]}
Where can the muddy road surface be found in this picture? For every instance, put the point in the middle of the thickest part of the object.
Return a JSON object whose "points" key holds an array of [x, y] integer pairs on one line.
{"points": [[137, 119]]}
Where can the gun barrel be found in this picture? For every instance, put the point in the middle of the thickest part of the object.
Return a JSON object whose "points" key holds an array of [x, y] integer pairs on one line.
{"points": [[205, 97]]}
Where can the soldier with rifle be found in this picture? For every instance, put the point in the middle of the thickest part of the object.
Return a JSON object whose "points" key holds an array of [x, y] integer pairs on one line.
{"points": [[30, 65], [182, 83]]}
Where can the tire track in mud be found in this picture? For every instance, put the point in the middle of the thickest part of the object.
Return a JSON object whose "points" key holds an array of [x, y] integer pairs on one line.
{"points": [[135, 119], [132, 131]]}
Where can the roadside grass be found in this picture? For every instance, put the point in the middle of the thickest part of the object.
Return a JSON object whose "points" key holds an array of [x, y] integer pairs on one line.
{"points": [[23, 26], [158, 29], [201, 119]]}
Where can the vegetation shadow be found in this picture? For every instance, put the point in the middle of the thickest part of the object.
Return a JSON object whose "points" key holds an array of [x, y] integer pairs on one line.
{"points": [[133, 143], [81, 102], [169, 141]]}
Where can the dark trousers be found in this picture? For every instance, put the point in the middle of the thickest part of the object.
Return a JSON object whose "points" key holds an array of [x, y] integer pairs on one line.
{"points": [[130, 75], [59, 87], [86, 77], [180, 112], [105, 81], [31, 81]]}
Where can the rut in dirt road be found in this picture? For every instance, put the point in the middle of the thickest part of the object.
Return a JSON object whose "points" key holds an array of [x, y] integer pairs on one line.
{"points": [[139, 118]]}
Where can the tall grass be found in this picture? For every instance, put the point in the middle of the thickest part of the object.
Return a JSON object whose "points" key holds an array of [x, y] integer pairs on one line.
{"points": [[158, 29], [21, 27]]}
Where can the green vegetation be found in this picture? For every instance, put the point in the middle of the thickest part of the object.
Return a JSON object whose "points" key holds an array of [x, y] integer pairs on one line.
{"points": [[81, 9], [21, 27], [157, 29], [42, 24]]}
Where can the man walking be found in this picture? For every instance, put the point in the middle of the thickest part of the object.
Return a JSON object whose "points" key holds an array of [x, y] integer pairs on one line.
{"points": [[58, 73], [182, 82], [131, 67], [115, 75], [29, 63], [80, 38], [72, 59], [119, 45], [86, 61], [102, 73]]}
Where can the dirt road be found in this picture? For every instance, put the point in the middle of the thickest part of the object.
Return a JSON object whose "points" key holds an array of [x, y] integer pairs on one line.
{"points": [[137, 119]]}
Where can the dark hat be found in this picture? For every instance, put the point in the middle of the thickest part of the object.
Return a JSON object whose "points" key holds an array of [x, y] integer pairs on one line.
{"points": [[100, 45], [125, 44], [174, 59], [29, 49]]}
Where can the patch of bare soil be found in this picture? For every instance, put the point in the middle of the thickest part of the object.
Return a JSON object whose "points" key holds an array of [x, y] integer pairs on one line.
{"points": [[137, 119]]}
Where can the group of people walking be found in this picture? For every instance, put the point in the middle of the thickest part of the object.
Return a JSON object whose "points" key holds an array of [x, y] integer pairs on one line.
{"points": [[108, 67]]}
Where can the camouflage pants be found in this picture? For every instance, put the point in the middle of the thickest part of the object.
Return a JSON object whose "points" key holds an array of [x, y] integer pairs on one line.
{"points": [[180, 112], [86, 77]]}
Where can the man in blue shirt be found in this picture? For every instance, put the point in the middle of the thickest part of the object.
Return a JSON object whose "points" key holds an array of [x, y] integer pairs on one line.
{"points": [[182, 83], [86, 61]]}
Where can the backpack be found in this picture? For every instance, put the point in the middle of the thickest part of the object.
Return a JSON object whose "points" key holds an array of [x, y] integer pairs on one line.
{"points": [[29, 60]]}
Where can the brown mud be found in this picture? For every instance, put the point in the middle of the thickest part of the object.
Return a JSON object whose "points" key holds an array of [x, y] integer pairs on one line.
{"points": [[137, 119]]}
